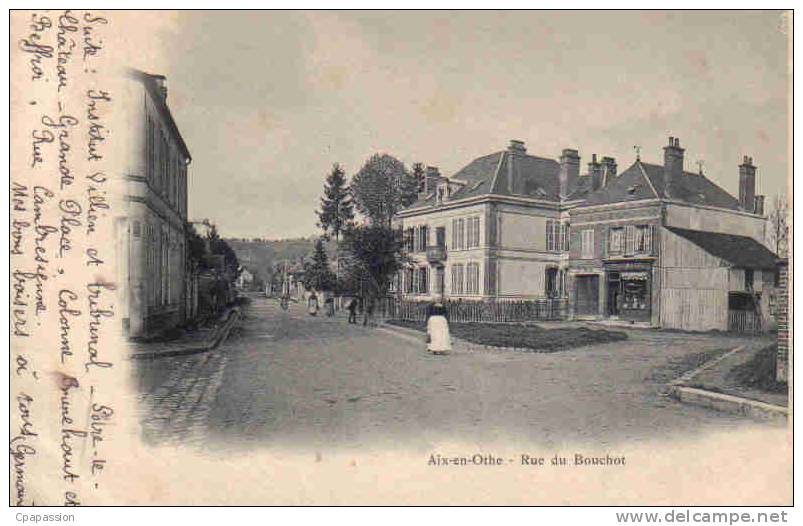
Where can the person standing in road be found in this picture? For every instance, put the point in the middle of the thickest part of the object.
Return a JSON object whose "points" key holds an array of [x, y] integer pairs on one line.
{"points": [[439, 340], [352, 308], [312, 304]]}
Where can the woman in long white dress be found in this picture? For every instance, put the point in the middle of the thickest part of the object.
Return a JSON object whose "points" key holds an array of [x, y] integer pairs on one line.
{"points": [[438, 339]]}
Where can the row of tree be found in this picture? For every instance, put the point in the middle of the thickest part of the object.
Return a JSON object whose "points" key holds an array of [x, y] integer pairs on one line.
{"points": [[357, 216]]}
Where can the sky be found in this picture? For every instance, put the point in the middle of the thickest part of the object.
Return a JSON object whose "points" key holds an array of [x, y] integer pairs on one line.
{"points": [[268, 101]]}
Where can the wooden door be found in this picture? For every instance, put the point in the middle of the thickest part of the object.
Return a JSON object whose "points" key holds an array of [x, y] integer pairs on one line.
{"points": [[586, 295]]}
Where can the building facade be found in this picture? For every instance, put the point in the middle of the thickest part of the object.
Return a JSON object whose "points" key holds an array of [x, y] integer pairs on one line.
{"points": [[152, 234], [654, 245]]}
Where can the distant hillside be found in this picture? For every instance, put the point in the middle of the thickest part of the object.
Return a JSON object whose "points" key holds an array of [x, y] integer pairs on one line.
{"points": [[259, 255]]}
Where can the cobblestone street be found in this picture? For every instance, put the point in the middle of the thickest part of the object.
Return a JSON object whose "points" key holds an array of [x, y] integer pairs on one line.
{"points": [[284, 378]]}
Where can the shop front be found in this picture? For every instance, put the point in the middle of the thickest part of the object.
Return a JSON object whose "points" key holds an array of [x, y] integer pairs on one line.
{"points": [[629, 291]]}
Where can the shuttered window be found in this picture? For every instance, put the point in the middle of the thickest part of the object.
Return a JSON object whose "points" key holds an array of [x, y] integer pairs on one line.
{"points": [[457, 278], [616, 237], [473, 278], [587, 244]]}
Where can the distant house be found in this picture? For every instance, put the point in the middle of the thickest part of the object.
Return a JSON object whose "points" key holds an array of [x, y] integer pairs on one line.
{"points": [[245, 280], [653, 245]]}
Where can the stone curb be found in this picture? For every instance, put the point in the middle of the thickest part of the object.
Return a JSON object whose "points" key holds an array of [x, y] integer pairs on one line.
{"points": [[729, 403], [217, 338], [720, 401]]}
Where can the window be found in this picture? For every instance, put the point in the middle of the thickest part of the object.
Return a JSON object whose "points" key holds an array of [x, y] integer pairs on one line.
{"points": [[748, 279], [423, 238], [423, 281], [408, 239], [638, 239], [457, 278], [615, 239], [473, 278], [440, 236], [551, 283], [643, 239], [473, 232], [587, 243], [557, 236], [409, 280]]}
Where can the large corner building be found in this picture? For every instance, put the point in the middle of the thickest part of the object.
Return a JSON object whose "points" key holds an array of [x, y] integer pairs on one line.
{"points": [[653, 245]]}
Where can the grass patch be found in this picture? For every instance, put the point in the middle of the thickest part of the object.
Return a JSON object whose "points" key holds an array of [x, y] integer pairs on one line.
{"points": [[524, 336], [759, 372], [683, 364]]}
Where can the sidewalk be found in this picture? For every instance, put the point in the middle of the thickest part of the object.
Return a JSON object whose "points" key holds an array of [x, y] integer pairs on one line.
{"points": [[713, 385], [199, 340]]}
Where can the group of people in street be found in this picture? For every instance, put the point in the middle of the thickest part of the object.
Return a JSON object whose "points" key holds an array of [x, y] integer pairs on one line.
{"points": [[437, 320]]}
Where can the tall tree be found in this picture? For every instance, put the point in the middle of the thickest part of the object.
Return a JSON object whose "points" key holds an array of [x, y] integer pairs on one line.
{"points": [[336, 209], [374, 257], [317, 274], [778, 234], [381, 188]]}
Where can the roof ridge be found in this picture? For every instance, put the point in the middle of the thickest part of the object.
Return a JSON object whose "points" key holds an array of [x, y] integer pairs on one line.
{"points": [[496, 171], [647, 177]]}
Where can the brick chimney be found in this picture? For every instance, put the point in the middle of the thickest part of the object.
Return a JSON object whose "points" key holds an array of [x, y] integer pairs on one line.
{"points": [[608, 170], [747, 185], [569, 170], [673, 163], [517, 147], [431, 178], [595, 171]]}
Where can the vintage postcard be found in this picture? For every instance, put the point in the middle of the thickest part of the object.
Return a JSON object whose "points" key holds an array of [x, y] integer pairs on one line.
{"points": [[400, 257]]}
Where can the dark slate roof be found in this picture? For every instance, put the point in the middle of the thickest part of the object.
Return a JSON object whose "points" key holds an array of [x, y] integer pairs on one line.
{"points": [[629, 185], [645, 181], [739, 251], [532, 176], [691, 188], [150, 82]]}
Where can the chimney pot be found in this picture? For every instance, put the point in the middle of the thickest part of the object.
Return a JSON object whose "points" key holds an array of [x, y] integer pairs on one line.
{"points": [[517, 146], [431, 179], [595, 172], [747, 185], [569, 170], [673, 163]]}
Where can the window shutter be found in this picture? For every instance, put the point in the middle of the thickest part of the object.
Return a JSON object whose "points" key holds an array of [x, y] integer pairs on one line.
{"points": [[549, 235], [648, 239], [630, 241]]}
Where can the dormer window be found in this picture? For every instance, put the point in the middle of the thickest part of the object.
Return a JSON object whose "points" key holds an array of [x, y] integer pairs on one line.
{"points": [[443, 192]]}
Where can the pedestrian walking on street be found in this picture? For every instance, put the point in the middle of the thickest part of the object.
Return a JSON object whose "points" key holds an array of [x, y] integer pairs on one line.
{"points": [[352, 308], [439, 340], [312, 305]]}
